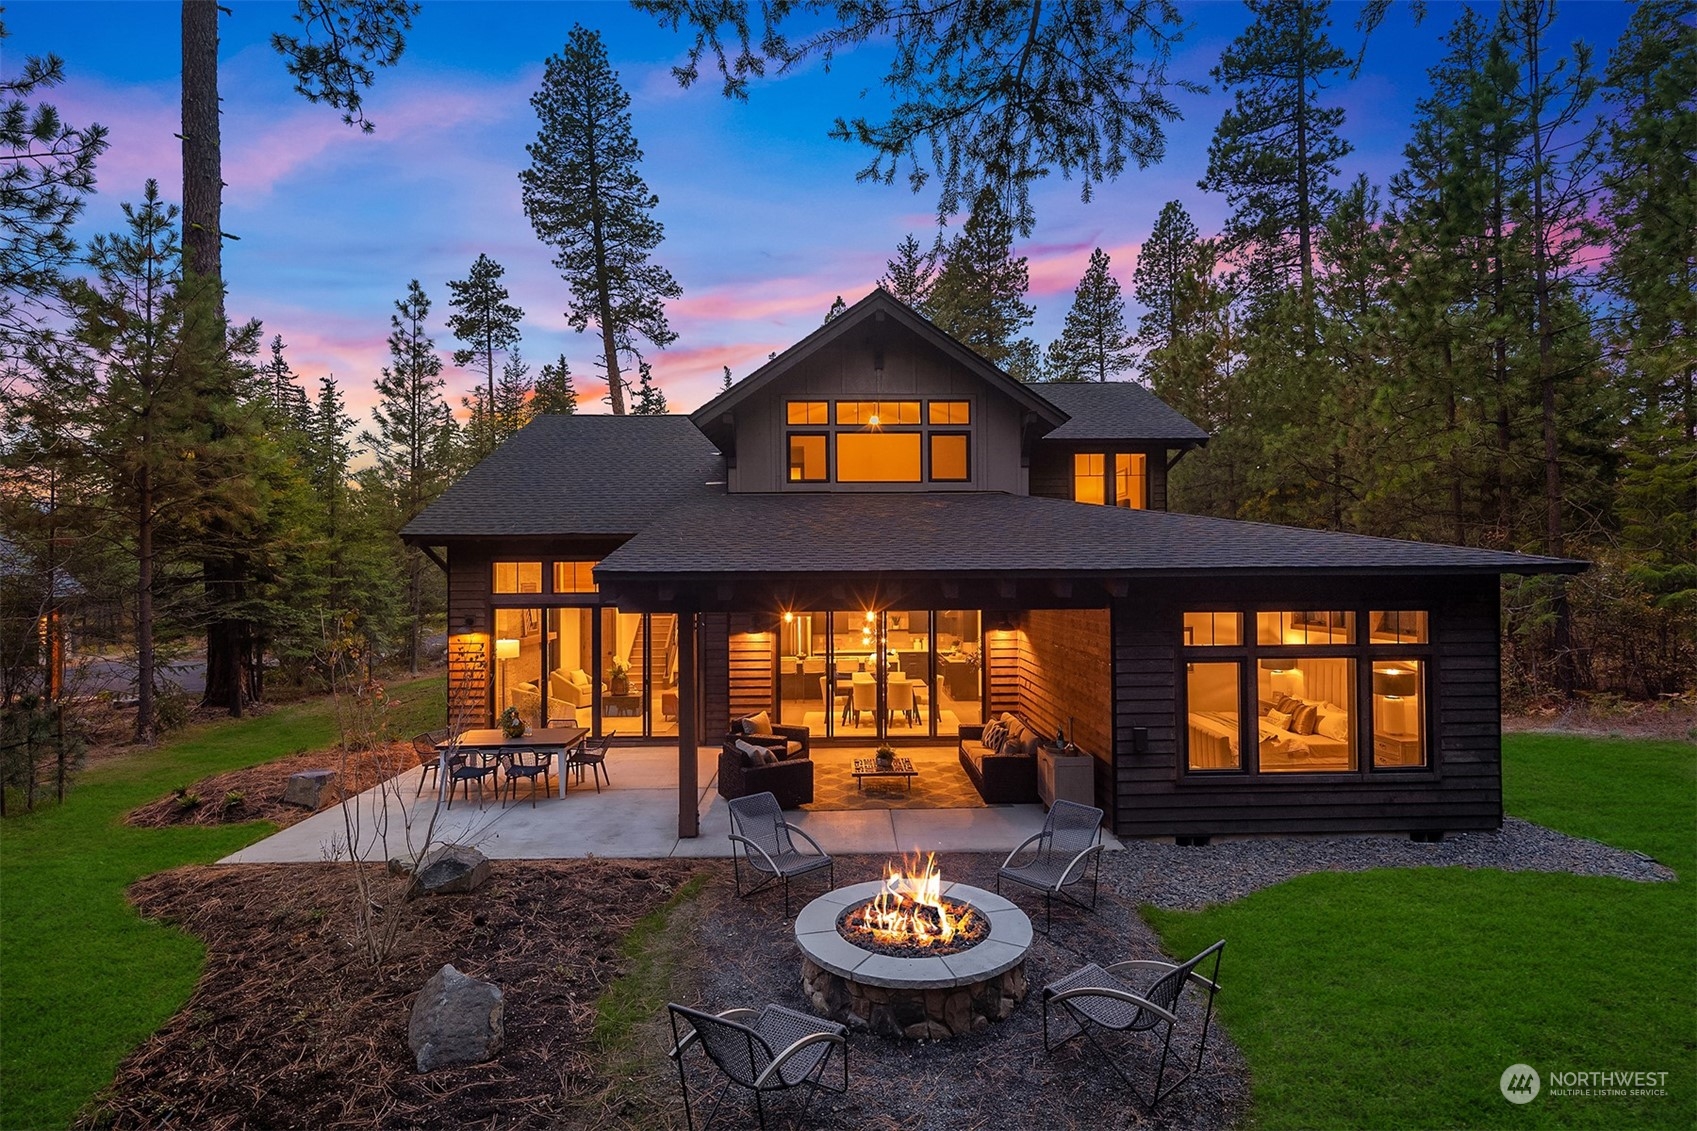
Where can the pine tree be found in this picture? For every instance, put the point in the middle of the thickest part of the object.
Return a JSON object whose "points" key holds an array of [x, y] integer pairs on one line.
{"points": [[727, 384], [1165, 271], [1276, 149], [46, 171], [513, 395], [650, 401], [554, 394], [837, 308], [911, 274], [286, 407], [413, 444], [585, 196], [979, 294], [1094, 344], [489, 325], [1651, 216]]}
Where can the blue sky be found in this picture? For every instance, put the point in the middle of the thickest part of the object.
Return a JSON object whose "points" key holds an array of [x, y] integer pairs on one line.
{"points": [[764, 220]]}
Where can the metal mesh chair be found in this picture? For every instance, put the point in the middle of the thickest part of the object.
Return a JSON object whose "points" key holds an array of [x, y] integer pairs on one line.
{"points": [[1067, 850], [424, 745], [768, 850], [1099, 998], [462, 770], [527, 764], [771, 1050], [592, 757]]}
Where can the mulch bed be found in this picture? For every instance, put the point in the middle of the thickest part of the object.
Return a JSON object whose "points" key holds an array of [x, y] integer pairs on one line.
{"points": [[291, 1028], [256, 793]]}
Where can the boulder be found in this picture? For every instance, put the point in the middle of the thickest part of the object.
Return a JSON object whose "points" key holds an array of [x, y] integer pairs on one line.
{"points": [[306, 788], [455, 1020], [450, 869]]}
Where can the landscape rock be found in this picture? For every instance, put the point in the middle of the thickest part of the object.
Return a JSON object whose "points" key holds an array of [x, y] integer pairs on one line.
{"points": [[455, 1020], [451, 869], [306, 788]]}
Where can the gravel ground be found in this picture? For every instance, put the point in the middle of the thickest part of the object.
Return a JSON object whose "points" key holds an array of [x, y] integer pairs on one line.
{"points": [[1183, 878]]}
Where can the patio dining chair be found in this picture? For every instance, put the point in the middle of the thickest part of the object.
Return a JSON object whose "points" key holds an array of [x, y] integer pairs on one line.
{"points": [[592, 756], [429, 758], [1067, 850], [1115, 999], [768, 850], [765, 1051], [529, 765], [463, 770]]}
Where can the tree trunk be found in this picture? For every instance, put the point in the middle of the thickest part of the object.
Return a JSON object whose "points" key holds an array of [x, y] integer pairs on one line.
{"points": [[144, 731]]}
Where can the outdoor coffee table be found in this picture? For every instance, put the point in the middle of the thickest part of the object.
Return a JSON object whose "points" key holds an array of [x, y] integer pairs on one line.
{"points": [[868, 768]]}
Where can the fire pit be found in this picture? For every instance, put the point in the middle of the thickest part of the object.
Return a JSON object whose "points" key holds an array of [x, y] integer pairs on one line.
{"points": [[912, 956]]}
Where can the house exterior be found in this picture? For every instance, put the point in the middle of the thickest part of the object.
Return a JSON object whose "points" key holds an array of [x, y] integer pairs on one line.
{"points": [[880, 534]]}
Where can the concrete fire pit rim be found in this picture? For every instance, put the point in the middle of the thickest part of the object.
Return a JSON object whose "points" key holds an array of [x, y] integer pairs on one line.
{"points": [[1003, 949]]}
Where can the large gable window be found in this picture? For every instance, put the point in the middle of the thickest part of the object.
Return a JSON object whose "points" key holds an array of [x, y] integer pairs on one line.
{"points": [[807, 458], [878, 414], [878, 457], [808, 412], [949, 457]]}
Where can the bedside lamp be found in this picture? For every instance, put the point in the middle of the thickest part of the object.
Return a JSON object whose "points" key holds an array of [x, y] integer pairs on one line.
{"points": [[1396, 686]]}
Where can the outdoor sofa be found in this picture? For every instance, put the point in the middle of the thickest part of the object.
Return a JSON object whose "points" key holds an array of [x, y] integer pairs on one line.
{"points": [[1007, 773]]}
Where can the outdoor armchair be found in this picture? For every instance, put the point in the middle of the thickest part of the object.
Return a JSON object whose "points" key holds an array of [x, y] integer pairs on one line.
{"points": [[761, 841], [1067, 850], [770, 1050], [1117, 999]]}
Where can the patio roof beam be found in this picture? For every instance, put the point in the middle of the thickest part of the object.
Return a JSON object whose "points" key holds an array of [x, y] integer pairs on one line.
{"points": [[689, 819]]}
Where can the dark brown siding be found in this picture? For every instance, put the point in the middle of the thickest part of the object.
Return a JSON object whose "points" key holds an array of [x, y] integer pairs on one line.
{"points": [[715, 643], [1461, 790], [1065, 660], [1051, 471]]}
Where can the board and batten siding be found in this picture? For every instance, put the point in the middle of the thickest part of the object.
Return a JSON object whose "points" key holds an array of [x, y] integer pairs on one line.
{"points": [[1461, 789], [1065, 683]]}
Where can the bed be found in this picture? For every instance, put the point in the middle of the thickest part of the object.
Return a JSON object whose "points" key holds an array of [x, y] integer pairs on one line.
{"points": [[1214, 739]]}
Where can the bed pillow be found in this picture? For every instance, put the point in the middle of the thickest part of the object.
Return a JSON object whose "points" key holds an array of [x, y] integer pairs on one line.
{"points": [[1305, 719], [1278, 719], [1334, 726]]}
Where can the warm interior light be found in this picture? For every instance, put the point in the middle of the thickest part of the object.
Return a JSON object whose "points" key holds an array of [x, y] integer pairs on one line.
{"points": [[506, 649], [1395, 683], [873, 420], [789, 618]]}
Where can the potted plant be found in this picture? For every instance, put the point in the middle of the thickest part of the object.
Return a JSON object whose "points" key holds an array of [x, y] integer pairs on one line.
{"points": [[511, 724], [886, 756], [619, 682]]}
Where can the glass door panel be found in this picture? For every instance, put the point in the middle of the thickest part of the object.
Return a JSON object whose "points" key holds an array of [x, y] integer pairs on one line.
{"points": [[660, 681], [959, 680], [518, 663], [571, 660], [909, 690], [621, 685]]}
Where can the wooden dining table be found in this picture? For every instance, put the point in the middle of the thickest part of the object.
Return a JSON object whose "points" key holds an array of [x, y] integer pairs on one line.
{"points": [[492, 742]]}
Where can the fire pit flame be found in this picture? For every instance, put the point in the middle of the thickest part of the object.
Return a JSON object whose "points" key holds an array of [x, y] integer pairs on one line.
{"points": [[910, 910]]}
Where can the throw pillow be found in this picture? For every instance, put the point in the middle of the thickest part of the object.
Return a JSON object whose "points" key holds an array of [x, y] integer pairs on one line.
{"points": [[1286, 703], [993, 735], [1334, 726], [1011, 746], [1306, 719], [760, 723], [580, 677], [1278, 719], [752, 754], [1032, 741]]}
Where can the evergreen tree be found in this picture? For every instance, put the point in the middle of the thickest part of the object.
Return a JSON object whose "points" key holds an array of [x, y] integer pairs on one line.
{"points": [[650, 401], [837, 308], [286, 406], [1275, 150], [513, 395], [1163, 277], [727, 384], [979, 294], [413, 444], [911, 274], [46, 171], [585, 196], [554, 394], [1094, 343], [489, 325], [1650, 213]]}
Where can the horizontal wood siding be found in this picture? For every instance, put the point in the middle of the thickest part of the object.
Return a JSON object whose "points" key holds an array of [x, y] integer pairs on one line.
{"points": [[470, 692], [1065, 682], [1462, 790], [749, 656], [1001, 651], [715, 652]]}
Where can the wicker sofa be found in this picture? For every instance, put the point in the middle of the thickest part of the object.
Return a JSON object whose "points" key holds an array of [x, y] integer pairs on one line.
{"points": [[788, 777], [1001, 778]]}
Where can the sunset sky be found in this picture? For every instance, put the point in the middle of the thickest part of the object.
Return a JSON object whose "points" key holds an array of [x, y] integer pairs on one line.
{"points": [[765, 223]]}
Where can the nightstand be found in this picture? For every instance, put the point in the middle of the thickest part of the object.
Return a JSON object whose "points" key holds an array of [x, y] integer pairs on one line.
{"points": [[1396, 749]]}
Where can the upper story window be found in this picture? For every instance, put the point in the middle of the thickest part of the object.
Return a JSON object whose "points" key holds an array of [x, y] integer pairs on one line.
{"points": [[516, 577], [878, 441], [1118, 479], [574, 577]]}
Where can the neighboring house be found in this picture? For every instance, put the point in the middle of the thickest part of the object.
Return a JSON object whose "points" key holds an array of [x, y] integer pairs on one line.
{"points": [[881, 532]]}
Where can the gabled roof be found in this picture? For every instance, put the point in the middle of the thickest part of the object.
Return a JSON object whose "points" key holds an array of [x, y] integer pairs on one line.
{"points": [[1104, 411], [877, 305], [577, 475], [992, 534]]}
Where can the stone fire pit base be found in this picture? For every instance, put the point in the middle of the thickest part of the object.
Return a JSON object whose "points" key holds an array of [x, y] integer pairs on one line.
{"points": [[913, 1014], [925, 998]]}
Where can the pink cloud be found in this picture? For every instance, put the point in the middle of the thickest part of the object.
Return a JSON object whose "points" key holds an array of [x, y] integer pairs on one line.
{"points": [[765, 300]]}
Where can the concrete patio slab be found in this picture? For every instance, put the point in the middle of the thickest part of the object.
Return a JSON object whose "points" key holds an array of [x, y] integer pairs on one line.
{"points": [[635, 817]]}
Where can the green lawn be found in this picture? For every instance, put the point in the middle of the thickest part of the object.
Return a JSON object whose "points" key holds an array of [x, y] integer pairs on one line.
{"points": [[1396, 998], [83, 980]]}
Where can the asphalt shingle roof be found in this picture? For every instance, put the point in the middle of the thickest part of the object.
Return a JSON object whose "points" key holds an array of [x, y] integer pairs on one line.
{"points": [[988, 533], [578, 475], [1115, 410]]}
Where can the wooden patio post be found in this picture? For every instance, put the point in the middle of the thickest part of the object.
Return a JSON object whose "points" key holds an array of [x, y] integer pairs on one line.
{"points": [[689, 820]]}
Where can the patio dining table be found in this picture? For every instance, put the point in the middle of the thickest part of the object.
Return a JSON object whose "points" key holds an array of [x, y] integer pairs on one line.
{"points": [[492, 742]]}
